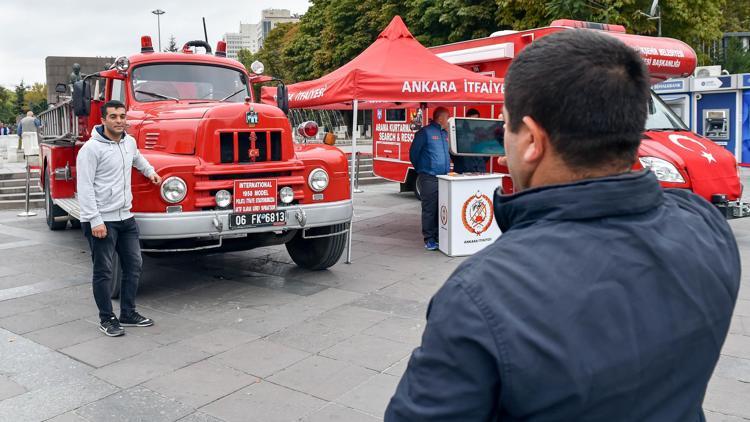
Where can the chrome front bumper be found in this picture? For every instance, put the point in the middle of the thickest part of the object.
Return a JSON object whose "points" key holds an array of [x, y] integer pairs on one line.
{"points": [[215, 224]]}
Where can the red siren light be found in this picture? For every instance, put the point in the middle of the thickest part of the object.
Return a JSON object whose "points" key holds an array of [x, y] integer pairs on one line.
{"points": [[221, 49], [146, 45], [571, 23], [308, 129]]}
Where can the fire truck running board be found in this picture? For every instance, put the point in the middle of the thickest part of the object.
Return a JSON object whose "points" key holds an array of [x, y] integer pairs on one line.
{"points": [[70, 205]]}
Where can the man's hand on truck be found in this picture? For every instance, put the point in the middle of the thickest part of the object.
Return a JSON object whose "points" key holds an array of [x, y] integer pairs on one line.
{"points": [[155, 178], [99, 231]]}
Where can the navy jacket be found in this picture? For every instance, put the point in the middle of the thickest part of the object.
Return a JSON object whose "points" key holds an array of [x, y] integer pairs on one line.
{"points": [[429, 152], [604, 300]]}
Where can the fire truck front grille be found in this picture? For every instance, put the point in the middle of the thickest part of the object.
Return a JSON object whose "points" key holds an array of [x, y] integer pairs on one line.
{"points": [[249, 147]]}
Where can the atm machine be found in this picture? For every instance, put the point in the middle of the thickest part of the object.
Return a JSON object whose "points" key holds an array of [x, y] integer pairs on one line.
{"points": [[716, 125], [717, 102]]}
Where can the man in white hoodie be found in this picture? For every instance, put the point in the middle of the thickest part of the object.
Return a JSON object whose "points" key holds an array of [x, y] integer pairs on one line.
{"points": [[104, 167]]}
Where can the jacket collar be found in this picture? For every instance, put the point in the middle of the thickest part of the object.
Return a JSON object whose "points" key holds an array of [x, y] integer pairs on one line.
{"points": [[102, 137], [628, 193]]}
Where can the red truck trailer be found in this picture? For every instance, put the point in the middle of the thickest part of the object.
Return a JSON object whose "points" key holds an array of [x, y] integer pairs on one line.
{"points": [[195, 119], [678, 157]]}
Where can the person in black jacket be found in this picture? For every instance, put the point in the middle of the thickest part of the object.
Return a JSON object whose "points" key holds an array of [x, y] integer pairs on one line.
{"points": [[606, 298]]}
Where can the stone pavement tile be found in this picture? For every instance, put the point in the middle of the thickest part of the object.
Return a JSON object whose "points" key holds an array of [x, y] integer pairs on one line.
{"points": [[262, 298], [370, 352], [66, 334], [168, 328], [742, 308], [322, 377], [720, 417], [54, 399], [137, 404], [310, 336], [201, 383], [395, 306], [337, 413], [9, 388], [199, 417], [261, 357], [372, 396], [408, 290], [226, 314], [728, 396], [20, 305], [398, 368], [68, 417], [352, 319], [149, 364], [199, 299], [219, 340], [732, 367], [264, 402], [737, 346], [105, 350], [360, 277], [404, 330], [47, 317], [281, 284]]}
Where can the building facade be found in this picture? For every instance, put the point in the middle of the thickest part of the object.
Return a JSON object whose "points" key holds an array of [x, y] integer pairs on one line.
{"points": [[251, 35]]}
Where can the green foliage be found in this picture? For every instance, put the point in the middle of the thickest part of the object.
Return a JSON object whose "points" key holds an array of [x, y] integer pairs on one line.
{"points": [[6, 106], [172, 47], [18, 104], [36, 98], [737, 58]]}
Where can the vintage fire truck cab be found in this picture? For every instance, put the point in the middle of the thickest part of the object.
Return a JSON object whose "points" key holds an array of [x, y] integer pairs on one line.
{"points": [[233, 176], [679, 158]]}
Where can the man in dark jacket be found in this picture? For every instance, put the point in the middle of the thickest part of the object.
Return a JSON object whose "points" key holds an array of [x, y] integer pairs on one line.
{"points": [[606, 298], [430, 156]]}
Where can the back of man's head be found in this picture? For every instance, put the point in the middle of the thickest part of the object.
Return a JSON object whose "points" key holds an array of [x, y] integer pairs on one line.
{"points": [[472, 112], [439, 112], [29, 113], [587, 90]]}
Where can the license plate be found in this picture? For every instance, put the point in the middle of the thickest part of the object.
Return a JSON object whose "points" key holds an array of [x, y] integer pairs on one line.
{"points": [[241, 221]]}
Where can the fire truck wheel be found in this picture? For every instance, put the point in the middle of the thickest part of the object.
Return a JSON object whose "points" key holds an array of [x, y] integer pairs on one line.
{"points": [[319, 253], [52, 210], [116, 277]]}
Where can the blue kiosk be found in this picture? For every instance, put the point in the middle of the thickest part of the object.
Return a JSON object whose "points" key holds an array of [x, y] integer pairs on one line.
{"points": [[717, 107]]}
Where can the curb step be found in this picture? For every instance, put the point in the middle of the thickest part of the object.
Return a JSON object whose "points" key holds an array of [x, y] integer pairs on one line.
{"points": [[37, 204]]}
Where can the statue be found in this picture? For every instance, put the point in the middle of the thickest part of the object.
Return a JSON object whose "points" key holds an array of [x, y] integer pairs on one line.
{"points": [[75, 76]]}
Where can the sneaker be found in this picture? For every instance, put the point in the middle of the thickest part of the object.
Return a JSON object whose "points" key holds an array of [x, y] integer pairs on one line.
{"points": [[136, 320], [111, 327], [431, 245]]}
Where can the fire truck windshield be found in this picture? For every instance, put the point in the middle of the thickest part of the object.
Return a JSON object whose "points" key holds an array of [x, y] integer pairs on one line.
{"points": [[181, 81], [661, 117]]}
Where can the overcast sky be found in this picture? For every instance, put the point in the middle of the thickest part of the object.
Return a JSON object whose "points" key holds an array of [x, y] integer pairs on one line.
{"points": [[31, 30]]}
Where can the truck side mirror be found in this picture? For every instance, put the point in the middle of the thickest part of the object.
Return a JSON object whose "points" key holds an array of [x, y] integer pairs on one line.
{"points": [[82, 98], [282, 98]]}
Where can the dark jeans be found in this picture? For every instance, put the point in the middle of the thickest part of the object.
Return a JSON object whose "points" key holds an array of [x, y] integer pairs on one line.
{"points": [[122, 238], [428, 191]]}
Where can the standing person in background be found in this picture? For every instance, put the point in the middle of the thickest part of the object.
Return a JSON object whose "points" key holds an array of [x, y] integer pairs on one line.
{"points": [[467, 164], [28, 124], [4, 130], [430, 156]]}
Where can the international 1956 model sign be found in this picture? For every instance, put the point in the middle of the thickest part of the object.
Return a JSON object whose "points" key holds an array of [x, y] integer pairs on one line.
{"points": [[476, 213], [254, 195]]}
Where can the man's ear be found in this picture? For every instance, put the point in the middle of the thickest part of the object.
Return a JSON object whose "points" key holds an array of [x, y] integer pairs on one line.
{"points": [[537, 141]]}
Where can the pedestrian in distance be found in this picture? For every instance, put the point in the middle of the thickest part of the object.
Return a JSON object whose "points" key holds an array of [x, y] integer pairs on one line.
{"points": [[430, 156], [104, 166], [469, 164], [28, 125], [607, 298], [4, 130]]}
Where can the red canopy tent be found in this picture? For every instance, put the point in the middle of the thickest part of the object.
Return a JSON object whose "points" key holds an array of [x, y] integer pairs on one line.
{"points": [[394, 71]]}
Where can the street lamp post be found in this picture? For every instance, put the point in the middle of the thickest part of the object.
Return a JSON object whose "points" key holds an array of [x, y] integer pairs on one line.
{"points": [[158, 13]]}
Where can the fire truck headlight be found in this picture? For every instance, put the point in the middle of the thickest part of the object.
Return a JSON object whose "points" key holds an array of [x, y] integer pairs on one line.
{"points": [[173, 190], [223, 198], [286, 194], [664, 170], [318, 180]]}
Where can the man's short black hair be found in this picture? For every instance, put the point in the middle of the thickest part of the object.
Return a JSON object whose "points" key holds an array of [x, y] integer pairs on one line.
{"points": [[588, 90], [113, 104], [438, 111], [472, 112]]}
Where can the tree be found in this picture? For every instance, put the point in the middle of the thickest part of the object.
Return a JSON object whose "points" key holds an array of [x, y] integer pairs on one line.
{"points": [[36, 98], [18, 105], [736, 58], [172, 47], [246, 57], [6, 106]]}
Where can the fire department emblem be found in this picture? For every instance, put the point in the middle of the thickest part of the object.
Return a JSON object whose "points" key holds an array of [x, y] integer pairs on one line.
{"points": [[444, 215], [251, 118], [476, 213]]}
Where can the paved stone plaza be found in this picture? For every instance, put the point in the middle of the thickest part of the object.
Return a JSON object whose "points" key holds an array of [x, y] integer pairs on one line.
{"points": [[246, 336]]}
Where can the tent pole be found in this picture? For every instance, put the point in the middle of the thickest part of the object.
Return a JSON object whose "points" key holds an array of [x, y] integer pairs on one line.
{"points": [[351, 178]]}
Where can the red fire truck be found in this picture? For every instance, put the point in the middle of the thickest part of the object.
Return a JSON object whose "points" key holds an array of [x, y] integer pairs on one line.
{"points": [[678, 157], [233, 176]]}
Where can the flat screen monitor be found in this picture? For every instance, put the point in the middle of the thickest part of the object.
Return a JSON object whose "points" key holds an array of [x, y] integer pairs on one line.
{"points": [[473, 136]]}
